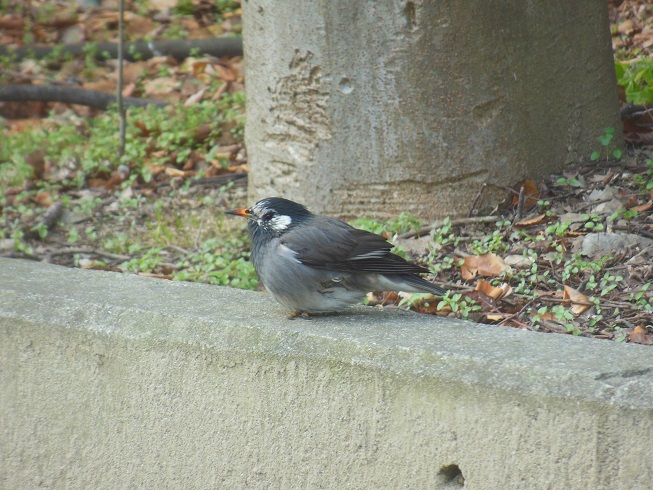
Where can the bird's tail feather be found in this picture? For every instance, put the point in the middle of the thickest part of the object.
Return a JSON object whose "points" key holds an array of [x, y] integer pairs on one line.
{"points": [[409, 283], [423, 286]]}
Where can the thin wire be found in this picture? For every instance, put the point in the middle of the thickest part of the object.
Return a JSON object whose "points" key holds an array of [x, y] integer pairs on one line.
{"points": [[121, 108]]}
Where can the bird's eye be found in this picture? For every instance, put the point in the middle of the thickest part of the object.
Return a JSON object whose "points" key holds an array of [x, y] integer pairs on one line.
{"points": [[268, 216]]}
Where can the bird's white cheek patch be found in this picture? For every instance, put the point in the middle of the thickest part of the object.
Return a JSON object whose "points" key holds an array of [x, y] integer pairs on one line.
{"points": [[280, 222]]}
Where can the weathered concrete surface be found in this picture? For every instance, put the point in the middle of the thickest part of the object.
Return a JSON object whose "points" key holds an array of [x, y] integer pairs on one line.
{"points": [[117, 381]]}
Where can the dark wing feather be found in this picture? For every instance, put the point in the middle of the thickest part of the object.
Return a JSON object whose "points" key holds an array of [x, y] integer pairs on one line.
{"points": [[328, 243]]}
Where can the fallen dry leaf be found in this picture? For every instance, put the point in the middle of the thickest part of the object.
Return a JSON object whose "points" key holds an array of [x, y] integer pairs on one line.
{"points": [[489, 265], [225, 74], [43, 199], [576, 297], [199, 66], [195, 98], [496, 293], [643, 207], [497, 317], [519, 261], [527, 223], [160, 86], [640, 335], [174, 172]]}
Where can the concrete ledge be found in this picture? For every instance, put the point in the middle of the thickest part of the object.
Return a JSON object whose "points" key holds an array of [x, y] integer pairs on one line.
{"points": [[118, 381]]}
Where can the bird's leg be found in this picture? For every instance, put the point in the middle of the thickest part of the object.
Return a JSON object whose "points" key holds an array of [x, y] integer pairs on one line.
{"points": [[298, 314]]}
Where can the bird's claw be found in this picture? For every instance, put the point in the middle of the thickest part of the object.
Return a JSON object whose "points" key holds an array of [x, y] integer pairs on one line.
{"points": [[298, 314]]}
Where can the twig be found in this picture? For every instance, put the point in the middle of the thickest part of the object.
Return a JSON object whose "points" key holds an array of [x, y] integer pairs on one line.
{"points": [[520, 202], [208, 181], [645, 250], [178, 249], [476, 199], [199, 235], [520, 312], [91, 251], [592, 203], [632, 111], [562, 300], [454, 222], [643, 233]]}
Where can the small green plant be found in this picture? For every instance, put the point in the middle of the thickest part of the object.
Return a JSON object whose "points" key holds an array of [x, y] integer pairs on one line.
{"points": [[606, 142], [593, 222], [565, 317], [642, 298], [20, 245], [561, 315], [118, 243], [148, 262], [184, 7], [444, 235], [90, 66], [46, 11], [163, 71], [142, 7], [620, 335], [459, 305], [410, 300], [597, 316], [176, 31], [493, 243], [90, 232], [73, 235], [57, 56], [41, 229], [570, 181], [609, 282], [558, 229], [437, 266], [227, 5], [403, 223], [637, 80], [134, 52], [627, 214], [645, 180], [219, 262]]}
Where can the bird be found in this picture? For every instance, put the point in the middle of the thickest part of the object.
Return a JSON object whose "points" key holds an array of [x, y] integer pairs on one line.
{"points": [[316, 264]]}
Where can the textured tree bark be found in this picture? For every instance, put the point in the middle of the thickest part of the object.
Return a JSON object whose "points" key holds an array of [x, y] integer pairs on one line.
{"points": [[373, 108]]}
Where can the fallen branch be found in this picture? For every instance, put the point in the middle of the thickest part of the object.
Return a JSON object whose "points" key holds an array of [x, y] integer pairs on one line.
{"points": [[631, 110], [137, 51], [218, 180], [68, 95], [90, 251]]}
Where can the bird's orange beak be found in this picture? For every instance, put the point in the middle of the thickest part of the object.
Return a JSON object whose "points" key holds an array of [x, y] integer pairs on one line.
{"points": [[244, 212]]}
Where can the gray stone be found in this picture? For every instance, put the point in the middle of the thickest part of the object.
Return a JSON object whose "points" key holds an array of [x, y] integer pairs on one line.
{"points": [[600, 244]]}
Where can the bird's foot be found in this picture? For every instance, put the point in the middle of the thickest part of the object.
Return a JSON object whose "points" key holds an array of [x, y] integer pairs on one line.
{"points": [[299, 314]]}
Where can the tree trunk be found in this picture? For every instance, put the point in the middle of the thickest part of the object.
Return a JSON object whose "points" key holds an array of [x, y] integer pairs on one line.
{"points": [[372, 108]]}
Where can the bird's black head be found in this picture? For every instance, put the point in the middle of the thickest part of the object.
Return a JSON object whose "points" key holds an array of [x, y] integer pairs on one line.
{"points": [[273, 216]]}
